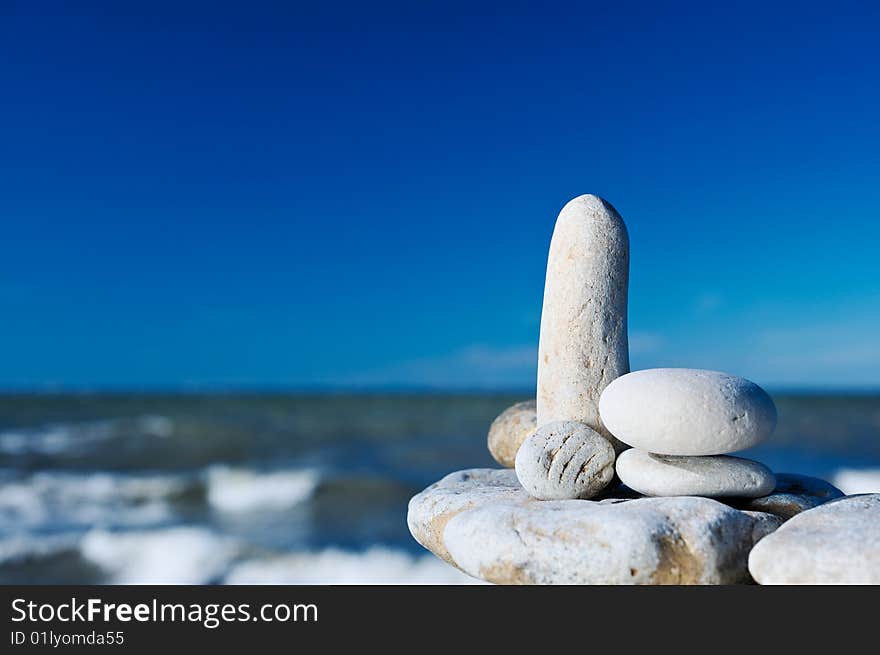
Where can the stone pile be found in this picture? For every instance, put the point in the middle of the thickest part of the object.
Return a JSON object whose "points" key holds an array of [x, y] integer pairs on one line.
{"points": [[681, 509]]}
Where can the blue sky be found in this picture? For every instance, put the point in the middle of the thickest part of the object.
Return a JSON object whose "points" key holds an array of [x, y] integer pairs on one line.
{"points": [[197, 195]]}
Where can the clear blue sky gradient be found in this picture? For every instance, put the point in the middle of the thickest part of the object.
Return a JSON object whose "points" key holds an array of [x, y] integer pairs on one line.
{"points": [[363, 195]]}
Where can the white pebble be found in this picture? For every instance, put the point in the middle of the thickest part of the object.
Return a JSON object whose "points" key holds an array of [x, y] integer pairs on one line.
{"points": [[714, 476], [564, 460], [509, 430], [680, 411]]}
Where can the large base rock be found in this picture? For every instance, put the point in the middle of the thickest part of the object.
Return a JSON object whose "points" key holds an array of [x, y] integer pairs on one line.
{"points": [[484, 523]]}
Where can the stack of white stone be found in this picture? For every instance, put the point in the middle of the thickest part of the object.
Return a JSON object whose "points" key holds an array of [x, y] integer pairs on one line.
{"points": [[681, 422], [567, 444]]}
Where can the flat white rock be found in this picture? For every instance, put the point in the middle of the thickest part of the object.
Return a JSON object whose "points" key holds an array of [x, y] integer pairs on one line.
{"points": [[681, 411], [564, 460], [583, 343], [713, 475], [509, 430], [835, 543], [484, 523]]}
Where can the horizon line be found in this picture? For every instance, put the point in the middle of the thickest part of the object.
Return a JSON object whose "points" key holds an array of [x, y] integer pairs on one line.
{"points": [[283, 389]]}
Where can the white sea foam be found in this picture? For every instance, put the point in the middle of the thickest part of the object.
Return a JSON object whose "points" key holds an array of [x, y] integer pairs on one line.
{"points": [[87, 499], [22, 546], [378, 565], [857, 481], [156, 425], [245, 490], [180, 555], [56, 438]]}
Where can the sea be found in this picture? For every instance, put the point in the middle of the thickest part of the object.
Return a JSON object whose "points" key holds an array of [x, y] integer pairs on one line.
{"points": [[281, 488]]}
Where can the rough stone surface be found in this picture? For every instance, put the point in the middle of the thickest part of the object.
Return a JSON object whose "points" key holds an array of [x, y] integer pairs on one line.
{"points": [[431, 510], [793, 494], [583, 343], [681, 411], [483, 522], [835, 543], [509, 430], [564, 460], [713, 476]]}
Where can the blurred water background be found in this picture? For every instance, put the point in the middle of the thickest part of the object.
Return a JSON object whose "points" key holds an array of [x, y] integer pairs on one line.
{"points": [[280, 488]]}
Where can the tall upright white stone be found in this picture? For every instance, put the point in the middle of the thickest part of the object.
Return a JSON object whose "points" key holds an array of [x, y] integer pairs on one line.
{"points": [[583, 345]]}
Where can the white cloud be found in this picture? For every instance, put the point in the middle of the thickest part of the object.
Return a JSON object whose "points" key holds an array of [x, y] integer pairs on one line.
{"points": [[474, 366], [708, 302], [830, 354], [840, 355], [642, 343], [478, 366]]}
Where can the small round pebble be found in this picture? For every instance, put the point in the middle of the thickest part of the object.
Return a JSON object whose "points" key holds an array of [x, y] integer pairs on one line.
{"points": [[683, 411], [509, 430], [712, 476], [564, 460], [793, 494]]}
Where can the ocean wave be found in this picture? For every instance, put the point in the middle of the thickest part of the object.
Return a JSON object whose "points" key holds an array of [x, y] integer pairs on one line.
{"points": [[87, 499], [25, 546], [237, 490], [179, 555], [57, 438], [67, 499], [857, 481], [377, 565]]}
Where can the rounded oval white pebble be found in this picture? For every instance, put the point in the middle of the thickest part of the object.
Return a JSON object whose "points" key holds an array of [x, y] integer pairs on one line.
{"points": [[715, 476], [564, 460], [682, 411]]}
